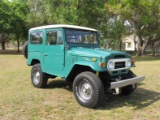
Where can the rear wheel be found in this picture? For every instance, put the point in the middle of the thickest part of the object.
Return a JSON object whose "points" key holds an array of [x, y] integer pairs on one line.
{"points": [[88, 89], [39, 79], [25, 49], [127, 90]]}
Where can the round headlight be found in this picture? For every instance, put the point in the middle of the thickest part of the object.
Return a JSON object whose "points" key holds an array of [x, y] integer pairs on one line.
{"points": [[128, 63], [110, 65]]}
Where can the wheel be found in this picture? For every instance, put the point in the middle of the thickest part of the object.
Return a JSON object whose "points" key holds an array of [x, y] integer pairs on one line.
{"points": [[39, 79], [127, 90], [25, 49], [88, 90]]}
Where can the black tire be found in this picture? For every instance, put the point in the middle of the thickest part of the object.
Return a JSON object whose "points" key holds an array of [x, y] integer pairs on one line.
{"points": [[39, 79], [25, 49], [88, 90], [127, 90]]}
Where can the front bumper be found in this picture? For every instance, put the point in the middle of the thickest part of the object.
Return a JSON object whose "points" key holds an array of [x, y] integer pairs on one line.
{"points": [[126, 82]]}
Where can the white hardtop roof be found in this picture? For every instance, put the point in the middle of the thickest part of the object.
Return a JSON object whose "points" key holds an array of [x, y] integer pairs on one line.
{"points": [[62, 26]]}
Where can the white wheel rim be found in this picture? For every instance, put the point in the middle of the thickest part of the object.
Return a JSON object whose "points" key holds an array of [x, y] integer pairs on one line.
{"points": [[36, 77], [85, 90]]}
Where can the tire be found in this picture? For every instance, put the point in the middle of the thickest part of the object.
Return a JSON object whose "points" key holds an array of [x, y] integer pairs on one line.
{"points": [[39, 79], [88, 90], [127, 90], [25, 49]]}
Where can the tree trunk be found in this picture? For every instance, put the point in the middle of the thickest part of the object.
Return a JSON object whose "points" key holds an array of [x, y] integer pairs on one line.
{"points": [[135, 46], [153, 50], [18, 43], [3, 38], [120, 45], [155, 47], [142, 48], [3, 45]]}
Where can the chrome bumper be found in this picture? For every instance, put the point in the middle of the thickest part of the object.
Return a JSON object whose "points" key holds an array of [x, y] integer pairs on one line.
{"points": [[126, 82]]}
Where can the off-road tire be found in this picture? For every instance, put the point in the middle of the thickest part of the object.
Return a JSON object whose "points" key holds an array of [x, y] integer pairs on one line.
{"points": [[95, 90], [127, 90], [39, 79], [25, 49]]}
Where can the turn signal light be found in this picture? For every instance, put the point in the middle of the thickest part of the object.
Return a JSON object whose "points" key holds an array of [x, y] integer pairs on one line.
{"points": [[102, 64], [133, 61]]}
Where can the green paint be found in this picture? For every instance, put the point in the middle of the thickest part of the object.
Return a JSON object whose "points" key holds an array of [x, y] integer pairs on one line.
{"points": [[58, 56]]}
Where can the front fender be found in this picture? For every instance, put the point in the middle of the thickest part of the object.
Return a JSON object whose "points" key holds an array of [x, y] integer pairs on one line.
{"points": [[93, 65]]}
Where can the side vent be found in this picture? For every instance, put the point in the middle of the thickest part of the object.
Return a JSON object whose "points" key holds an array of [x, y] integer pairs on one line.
{"points": [[119, 56]]}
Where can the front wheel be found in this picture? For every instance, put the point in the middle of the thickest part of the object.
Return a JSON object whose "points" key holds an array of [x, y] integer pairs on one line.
{"points": [[39, 79], [88, 90], [127, 90]]}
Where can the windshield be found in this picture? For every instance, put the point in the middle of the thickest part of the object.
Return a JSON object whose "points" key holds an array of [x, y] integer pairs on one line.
{"points": [[81, 36]]}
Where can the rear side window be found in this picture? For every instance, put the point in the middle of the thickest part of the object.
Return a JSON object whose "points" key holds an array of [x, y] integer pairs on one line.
{"points": [[36, 37]]}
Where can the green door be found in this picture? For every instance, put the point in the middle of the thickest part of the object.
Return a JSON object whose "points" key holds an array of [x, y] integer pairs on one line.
{"points": [[54, 50]]}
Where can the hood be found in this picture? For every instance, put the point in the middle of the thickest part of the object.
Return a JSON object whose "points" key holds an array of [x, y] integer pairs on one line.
{"points": [[95, 52]]}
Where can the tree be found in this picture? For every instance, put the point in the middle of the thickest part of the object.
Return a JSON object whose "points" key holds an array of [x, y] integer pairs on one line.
{"points": [[78, 12], [116, 27], [12, 20], [143, 18], [4, 23], [18, 26]]}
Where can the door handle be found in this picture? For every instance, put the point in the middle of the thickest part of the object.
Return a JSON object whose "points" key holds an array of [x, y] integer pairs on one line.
{"points": [[45, 54]]}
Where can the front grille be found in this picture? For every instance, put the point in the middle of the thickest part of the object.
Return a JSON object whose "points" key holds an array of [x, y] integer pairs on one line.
{"points": [[119, 65]]}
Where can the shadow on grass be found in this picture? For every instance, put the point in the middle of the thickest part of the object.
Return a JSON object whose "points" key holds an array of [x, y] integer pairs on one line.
{"points": [[139, 99], [59, 83]]}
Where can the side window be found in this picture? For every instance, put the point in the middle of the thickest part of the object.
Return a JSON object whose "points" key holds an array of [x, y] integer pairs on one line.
{"points": [[51, 37], [36, 37], [54, 37], [59, 40]]}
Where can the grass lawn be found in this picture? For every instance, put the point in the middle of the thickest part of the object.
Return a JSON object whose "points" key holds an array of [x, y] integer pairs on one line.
{"points": [[19, 100]]}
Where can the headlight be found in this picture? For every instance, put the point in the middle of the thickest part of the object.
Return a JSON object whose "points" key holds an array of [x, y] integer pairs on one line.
{"points": [[128, 63], [110, 65]]}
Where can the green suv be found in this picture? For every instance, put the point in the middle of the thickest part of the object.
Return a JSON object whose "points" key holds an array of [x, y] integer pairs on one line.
{"points": [[74, 53]]}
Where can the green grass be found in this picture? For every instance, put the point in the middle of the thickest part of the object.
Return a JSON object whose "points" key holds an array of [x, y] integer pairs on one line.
{"points": [[19, 100]]}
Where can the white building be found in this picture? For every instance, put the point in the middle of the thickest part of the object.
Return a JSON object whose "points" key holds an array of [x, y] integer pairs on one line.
{"points": [[130, 43]]}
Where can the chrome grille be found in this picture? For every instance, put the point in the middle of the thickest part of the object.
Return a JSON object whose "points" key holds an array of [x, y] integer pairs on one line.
{"points": [[119, 65]]}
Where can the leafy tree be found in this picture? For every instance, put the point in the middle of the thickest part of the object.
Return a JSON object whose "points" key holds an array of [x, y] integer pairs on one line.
{"points": [[12, 20], [108, 16], [4, 23], [18, 26], [79, 12], [115, 26], [142, 16]]}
